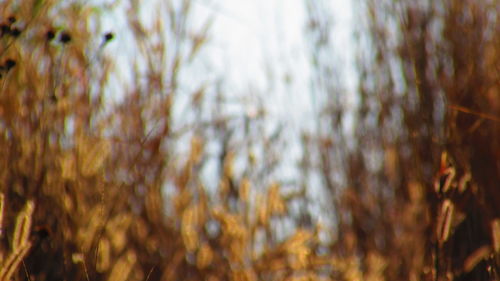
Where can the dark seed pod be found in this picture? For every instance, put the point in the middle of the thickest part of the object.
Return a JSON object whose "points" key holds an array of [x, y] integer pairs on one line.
{"points": [[9, 63], [15, 32], [65, 37], [50, 35], [53, 98], [42, 232], [4, 29], [108, 36]]}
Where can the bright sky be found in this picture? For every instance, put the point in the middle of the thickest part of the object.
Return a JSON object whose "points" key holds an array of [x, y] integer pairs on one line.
{"points": [[260, 49], [259, 46]]}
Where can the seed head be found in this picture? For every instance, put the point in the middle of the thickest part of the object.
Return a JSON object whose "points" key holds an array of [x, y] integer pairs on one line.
{"points": [[50, 35], [15, 32], [108, 36], [65, 37], [9, 63], [4, 29]]}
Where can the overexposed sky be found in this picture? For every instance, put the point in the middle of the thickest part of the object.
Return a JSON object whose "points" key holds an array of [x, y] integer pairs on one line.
{"points": [[260, 50], [260, 47]]}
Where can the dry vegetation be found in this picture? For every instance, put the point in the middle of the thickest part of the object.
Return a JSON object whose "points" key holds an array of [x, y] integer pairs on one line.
{"points": [[419, 196], [91, 192]]}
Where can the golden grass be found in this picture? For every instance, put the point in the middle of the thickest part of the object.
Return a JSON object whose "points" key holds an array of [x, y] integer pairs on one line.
{"points": [[117, 198]]}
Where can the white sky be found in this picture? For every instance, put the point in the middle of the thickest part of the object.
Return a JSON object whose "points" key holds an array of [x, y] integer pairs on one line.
{"points": [[259, 49], [257, 44]]}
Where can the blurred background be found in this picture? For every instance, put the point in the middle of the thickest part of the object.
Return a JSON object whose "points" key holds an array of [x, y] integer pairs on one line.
{"points": [[249, 140]]}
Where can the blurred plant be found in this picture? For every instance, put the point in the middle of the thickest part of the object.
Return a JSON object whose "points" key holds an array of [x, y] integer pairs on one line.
{"points": [[165, 184], [119, 192], [20, 244], [428, 103]]}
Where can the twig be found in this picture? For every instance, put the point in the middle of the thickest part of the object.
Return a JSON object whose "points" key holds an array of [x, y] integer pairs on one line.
{"points": [[472, 112]]}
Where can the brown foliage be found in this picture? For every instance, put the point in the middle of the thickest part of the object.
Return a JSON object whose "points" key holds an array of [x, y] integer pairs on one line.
{"points": [[421, 184], [97, 191], [114, 195]]}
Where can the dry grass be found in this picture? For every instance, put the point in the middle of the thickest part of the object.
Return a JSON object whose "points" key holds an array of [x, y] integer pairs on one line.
{"points": [[421, 184], [117, 192], [96, 173]]}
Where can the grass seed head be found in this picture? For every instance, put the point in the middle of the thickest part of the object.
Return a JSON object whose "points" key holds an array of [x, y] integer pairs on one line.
{"points": [[65, 37]]}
